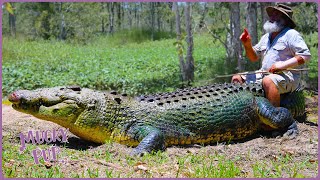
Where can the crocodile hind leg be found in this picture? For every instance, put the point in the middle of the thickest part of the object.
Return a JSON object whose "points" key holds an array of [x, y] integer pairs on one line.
{"points": [[278, 118], [152, 139], [295, 102]]}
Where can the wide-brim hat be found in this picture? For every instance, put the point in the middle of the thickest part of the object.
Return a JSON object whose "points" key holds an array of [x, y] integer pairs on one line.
{"points": [[286, 10]]}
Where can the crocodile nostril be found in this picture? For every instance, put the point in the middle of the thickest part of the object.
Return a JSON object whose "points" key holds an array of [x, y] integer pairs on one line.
{"points": [[14, 98]]}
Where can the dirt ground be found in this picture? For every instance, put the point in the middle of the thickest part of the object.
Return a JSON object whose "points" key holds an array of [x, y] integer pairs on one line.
{"points": [[305, 146]]}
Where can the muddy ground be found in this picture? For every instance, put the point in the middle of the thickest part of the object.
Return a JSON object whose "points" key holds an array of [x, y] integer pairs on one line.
{"points": [[302, 148]]}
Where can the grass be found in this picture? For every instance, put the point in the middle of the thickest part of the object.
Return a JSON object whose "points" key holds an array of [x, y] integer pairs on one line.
{"points": [[280, 167], [96, 162], [112, 160], [133, 68]]}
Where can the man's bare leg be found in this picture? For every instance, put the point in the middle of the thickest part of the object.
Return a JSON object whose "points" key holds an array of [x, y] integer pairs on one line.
{"points": [[272, 92]]}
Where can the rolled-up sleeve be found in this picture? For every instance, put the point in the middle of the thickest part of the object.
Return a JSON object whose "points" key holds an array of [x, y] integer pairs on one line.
{"points": [[261, 47], [298, 46]]}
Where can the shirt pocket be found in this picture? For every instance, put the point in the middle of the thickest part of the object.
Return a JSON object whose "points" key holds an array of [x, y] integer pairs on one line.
{"points": [[261, 50], [279, 47]]}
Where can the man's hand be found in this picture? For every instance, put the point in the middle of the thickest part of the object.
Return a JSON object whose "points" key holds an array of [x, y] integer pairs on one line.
{"points": [[246, 41], [277, 67], [290, 63], [245, 37]]}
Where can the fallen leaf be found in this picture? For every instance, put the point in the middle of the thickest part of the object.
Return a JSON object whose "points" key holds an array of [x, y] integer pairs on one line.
{"points": [[109, 164], [140, 166], [287, 152], [48, 165], [312, 160]]}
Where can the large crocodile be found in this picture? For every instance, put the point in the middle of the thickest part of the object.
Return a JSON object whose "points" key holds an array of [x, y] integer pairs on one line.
{"points": [[216, 113]]}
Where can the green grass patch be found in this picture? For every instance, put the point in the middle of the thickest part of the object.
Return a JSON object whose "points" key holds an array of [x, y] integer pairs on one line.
{"points": [[96, 163], [128, 62], [133, 68]]}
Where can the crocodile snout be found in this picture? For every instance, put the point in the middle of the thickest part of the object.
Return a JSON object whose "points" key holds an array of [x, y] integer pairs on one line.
{"points": [[15, 98]]}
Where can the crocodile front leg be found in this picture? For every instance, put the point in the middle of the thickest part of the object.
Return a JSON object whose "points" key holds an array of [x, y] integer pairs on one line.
{"points": [[277, 118], [150, 139]]}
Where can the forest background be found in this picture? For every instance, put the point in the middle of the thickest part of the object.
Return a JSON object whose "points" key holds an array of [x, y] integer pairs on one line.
{"points": [[136, 47]]}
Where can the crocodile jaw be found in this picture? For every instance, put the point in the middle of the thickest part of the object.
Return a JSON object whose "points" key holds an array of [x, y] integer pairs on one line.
{"points": [[63, 106], [46, 104]]}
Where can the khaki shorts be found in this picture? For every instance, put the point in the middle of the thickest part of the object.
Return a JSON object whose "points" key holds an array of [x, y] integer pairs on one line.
{"points": [[286, 81]]}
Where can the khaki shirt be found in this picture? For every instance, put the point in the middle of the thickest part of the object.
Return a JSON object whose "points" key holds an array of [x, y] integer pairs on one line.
{"points": [[287, 44]]}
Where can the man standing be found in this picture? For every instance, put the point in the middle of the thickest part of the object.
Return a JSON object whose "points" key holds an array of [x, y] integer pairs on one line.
{"points": [[281, 49]]}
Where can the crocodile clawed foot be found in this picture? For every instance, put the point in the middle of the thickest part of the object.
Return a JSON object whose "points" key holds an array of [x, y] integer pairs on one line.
{"points": [[292, 131], [291, 134], [137, 153]]}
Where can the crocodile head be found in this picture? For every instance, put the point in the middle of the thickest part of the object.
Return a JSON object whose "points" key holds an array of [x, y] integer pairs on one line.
{"points": [[61, 105], [81, 110]]}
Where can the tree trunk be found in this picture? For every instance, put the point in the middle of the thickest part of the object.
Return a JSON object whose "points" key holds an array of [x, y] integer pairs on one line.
{"points": [[186, 65], [139, 15], [119, 19], [130, 16], [110, 6], [251, 21], [12, 24], [12, 20], [179, 39], [264, 15], [252, 25], [135, 15], [63, 33], [172, 18], [152, 13], [189, 69], [233, 43], [158, 16], [103, 30]]}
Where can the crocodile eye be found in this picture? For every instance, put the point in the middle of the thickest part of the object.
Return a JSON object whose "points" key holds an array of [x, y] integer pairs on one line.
{"points": [[113, 92]]}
